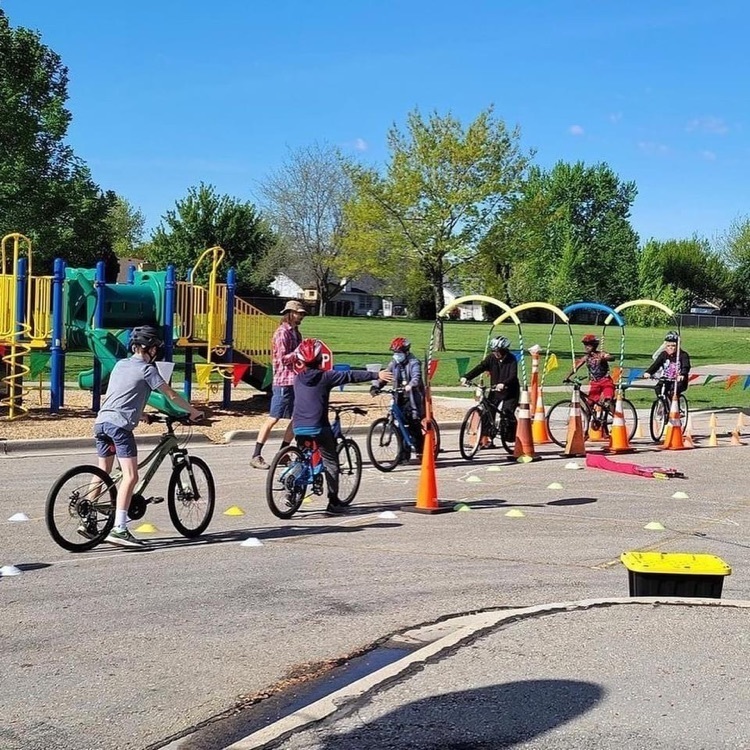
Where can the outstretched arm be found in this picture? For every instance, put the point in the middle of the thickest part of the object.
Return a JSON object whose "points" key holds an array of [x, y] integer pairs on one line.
{"points": [[177, 399]]}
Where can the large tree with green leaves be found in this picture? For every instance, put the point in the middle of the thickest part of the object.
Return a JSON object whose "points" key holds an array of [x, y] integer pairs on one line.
{"points": [[205, 219], [443, 187], [734, 247], [577, 242], [45, 191], [126, 227], [304, 200]]}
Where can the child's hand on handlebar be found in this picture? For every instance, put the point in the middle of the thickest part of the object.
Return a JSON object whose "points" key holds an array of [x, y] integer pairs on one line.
{"points": [[196, 416]]}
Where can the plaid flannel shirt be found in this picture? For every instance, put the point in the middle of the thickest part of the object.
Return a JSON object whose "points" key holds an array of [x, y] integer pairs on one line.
{"points": [[286, 339]]}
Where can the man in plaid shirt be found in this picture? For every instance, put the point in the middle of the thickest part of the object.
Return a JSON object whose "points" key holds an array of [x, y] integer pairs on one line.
{"points": [[286, 339]]}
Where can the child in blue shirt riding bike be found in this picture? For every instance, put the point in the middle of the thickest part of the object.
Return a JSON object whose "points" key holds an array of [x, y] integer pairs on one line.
{"points": [[312, 390]]}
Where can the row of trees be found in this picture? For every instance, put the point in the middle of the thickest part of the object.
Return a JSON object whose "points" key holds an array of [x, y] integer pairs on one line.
{"points": [[459, 205]]}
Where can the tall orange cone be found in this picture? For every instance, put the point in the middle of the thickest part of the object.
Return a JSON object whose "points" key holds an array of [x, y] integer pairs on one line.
{"points": [[673, 440], [539, 432], [427, 496], [618, 438], [533, 390], [524, 447], [575, 444]]}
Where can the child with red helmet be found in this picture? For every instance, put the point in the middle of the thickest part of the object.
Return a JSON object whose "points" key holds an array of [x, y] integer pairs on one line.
{"points": [[312, 390], [602, 386]]}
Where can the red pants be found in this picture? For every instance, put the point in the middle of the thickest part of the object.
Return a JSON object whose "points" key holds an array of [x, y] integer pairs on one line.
{"points": [[601, 389]]}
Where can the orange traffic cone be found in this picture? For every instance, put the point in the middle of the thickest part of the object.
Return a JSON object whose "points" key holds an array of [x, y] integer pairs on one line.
{"points": [[736, 438], [595, 433], [427, 501], [539, 432], [618, 439], [639, 431], [673, 440], [687, 435], [524, 447], [575, 444]]}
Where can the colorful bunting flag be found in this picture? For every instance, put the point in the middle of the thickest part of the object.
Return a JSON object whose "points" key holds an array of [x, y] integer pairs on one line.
{"points": [[238, 372], [731, 380], [550, 363], [616, 372], [433, 366], [635, 372], [37, 362], [462, 363], [747, 382], [693, 377], [267, 378], [708, 379], [203, 374]]}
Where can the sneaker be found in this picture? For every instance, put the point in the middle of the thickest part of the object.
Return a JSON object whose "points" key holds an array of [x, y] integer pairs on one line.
{"points": [[89, 532], [258, 462], [335, 509], [123, 538]]}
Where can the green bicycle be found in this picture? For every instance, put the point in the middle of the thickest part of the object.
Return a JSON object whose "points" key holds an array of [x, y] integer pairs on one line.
{"points": [[80, 508]]}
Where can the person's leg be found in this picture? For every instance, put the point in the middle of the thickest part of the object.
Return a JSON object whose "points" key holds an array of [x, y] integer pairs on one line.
{"points": [[327, 447], [282, 401], [127, 457]]}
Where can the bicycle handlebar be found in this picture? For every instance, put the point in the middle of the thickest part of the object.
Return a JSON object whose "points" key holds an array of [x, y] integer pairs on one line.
{"points": [[169, 420], [339, 409]]}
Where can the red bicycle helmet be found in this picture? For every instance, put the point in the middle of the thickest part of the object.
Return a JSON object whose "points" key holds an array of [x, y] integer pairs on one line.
{"points": [[400, 344], [308, 353], [590, 338]]}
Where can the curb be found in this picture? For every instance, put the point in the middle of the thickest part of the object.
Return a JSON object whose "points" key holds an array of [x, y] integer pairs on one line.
{"points": [[481, 624]]}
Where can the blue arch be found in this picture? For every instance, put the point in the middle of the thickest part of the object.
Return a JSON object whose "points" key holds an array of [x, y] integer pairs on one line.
{"points": [[595, 306]]}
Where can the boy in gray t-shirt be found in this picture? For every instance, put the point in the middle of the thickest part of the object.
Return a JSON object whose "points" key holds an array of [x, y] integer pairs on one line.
{"points": [[130, 385]]}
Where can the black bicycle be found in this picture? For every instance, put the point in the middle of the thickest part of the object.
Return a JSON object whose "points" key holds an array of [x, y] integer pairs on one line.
{"points": [[659, 416], [485, 422], [595, 415], [295, 468]]}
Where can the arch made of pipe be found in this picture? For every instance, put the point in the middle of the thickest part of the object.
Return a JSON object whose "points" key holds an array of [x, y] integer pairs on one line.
{"points": [[635, 302]]}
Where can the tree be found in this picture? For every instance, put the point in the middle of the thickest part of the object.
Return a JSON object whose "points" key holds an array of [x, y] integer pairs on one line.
{"points": [[126, 225], [582, 244], [443, 187], [204, 219], [734, 247], [45, 191], [304, 200], [678, 273]]}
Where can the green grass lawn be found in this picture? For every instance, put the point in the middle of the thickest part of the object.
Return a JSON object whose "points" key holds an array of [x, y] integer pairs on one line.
{"points": [[362, 341]]}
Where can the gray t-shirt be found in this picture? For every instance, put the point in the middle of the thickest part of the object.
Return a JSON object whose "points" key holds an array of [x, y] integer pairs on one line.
{"points": [[130, 385]]}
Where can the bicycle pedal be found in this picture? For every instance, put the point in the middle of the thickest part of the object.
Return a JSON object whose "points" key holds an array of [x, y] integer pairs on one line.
{"points": [[156, 500]]}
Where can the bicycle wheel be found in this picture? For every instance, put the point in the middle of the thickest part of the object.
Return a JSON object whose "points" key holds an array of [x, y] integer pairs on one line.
{"points": [[384, 444], [286, 482], [191, 497], [629, 414], [436, 433], [470, 435], [558, 417], [350, 469], [657, 420], [684, 410], [80, 508]]}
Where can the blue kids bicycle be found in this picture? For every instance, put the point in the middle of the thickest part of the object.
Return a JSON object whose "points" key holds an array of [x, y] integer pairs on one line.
{"points": [[389, 441], [295, 468]]}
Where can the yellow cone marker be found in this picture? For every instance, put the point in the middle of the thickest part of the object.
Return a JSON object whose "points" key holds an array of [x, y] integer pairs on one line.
{"points": [[554, 486], [494, 468], [680, 495], [307, 499], [147, 528], [234, 511], [654, 526], [461, 507], [473, 478], [515, 513], [524, 459], [573, 465]]}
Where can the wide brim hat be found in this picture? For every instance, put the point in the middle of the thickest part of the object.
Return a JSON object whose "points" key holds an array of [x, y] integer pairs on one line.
{"points": [[294, 306]]}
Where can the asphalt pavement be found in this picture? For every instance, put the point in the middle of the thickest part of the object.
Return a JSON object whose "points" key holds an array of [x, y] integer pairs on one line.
{"points": [[491, 630]]}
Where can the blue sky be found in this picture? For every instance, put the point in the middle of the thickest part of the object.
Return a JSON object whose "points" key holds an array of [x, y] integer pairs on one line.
{"points": [[168, 93]]}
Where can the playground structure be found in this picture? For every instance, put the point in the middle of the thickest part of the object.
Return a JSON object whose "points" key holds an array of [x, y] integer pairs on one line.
{"points": [[44, 317]]}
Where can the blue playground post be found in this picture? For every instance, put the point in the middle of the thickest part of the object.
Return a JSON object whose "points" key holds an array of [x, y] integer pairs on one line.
{"points": [[101, 288], [170, 284], [229, 336], [130, 278], [57, 353]]}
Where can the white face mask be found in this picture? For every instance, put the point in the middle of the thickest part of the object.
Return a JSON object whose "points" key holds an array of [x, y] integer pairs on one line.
{"points": [[399, 357]]}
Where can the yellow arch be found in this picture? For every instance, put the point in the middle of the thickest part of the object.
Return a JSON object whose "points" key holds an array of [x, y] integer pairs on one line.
{"points": [[528, 306], [480, 298], [634, 302]]}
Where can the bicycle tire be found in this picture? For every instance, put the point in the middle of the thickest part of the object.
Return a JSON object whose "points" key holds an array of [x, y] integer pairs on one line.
{"points": [[350, 470], [659, 416], [470, 434], [558, 417], [436, 431], [285, 492], [384, 438], [629, 414], [97, 517], [181, 496]]}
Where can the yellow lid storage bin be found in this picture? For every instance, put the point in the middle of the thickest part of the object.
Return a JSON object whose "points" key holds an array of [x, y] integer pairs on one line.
{"points": [[675, 574]]}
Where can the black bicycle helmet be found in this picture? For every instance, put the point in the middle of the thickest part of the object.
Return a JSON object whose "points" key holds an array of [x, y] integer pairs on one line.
{"points": [[671, 337], [145, 336]]}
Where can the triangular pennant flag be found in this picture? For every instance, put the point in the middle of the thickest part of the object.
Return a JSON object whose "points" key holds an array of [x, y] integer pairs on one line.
{"points": [[238, 372], [747, 382], [462, 363], [431, 369], [708, 379], [203, 374], [693, 377], [550, 363], [267, 378], [731, 380], [37, 362], [635, 372], [2, 350], [616, 372]]}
